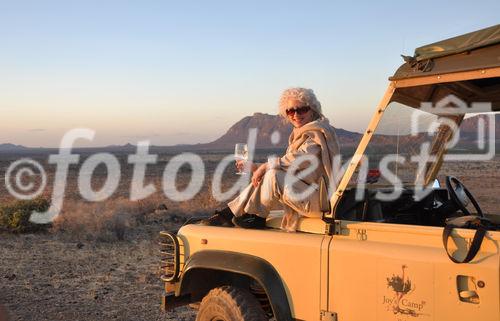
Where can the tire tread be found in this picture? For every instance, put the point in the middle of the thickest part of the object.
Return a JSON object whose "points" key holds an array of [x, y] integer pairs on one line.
{"points": [[241, 303]]}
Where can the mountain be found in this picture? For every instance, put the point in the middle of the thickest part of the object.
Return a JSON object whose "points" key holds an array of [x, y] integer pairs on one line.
{"points": [[269, 128], [469, 127], [272, 126], [126, 147], [473, 135], [266, 125], [12, 148]]}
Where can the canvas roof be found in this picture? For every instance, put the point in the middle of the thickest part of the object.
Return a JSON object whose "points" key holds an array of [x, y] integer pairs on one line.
{"points": [[463, 43], [476, 50]]}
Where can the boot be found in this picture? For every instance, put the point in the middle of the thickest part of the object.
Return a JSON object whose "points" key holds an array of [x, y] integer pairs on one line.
{"points": [[250, 221], [220, 218]]}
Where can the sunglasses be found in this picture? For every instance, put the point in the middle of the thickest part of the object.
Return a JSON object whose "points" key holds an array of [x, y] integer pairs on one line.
{"points": [[299, 110]]}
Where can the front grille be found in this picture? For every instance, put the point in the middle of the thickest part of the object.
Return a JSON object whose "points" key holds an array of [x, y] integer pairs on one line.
{"points": [[171, 255]]}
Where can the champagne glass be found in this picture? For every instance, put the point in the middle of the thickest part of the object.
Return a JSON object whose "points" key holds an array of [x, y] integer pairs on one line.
{"points": [[241, 153]]}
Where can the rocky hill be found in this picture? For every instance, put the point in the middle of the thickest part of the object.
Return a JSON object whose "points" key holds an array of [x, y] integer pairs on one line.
{"points": [[266, 125], [272, 132], [11, 147]]}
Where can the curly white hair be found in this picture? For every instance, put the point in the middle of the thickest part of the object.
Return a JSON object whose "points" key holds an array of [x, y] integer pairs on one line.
{"points": [[305, 96]]}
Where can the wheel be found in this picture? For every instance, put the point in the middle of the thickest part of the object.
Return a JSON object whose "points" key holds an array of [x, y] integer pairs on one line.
{"points": [[459, 195], [229, 303]]}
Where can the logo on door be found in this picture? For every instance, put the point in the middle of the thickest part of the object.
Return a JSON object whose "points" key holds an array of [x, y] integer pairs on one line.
{"points": [[403, 302]]}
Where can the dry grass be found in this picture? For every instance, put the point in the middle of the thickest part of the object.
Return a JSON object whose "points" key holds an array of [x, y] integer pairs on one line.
{"points": [[99, 261], [104, 221], [116, 218]]}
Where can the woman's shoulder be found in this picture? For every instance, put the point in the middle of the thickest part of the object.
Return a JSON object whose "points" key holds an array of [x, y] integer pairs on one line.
{"points": [[318, 125]]}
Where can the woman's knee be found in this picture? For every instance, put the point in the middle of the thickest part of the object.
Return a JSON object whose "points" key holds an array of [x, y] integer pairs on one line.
{"points": [[274, 172], [274, 175]]}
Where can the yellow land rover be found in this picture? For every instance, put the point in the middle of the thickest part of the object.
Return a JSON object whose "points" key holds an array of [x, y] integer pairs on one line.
{"points": [[405, 244]]}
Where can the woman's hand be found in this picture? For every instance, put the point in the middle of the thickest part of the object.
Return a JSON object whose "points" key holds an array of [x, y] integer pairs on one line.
{"points": [[243, 165], [258, 174], [240, 165]]}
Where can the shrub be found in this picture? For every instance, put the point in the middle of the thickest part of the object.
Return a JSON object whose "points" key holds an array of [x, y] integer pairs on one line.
{"points": [[103, 221], [15, 216]]}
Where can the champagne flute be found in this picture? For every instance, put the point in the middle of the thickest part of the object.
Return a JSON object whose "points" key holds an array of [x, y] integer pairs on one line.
{"points": [[241, 153]]}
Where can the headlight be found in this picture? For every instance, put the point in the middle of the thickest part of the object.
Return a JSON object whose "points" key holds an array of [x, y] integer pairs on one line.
{"points": [[172, 256]]}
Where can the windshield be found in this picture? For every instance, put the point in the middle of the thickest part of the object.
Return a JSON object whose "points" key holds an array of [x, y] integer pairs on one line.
{"points": [[408, 145], [417, 149]]}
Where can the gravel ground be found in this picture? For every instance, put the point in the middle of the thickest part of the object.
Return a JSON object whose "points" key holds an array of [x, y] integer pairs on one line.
{"points": [[44, 277]]}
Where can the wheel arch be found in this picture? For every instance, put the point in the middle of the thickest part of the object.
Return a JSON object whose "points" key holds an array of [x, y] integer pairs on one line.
{"points": [[212, 268]]}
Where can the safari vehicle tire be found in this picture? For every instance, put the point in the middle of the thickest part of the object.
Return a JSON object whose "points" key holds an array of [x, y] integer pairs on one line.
{"points": [[228, 303]]}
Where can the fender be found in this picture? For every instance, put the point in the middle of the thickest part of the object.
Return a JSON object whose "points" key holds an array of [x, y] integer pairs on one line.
{"points": [[248, 265]]}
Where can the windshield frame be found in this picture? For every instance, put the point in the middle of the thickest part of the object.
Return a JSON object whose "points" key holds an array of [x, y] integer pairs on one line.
{"points": [[389, 97]]}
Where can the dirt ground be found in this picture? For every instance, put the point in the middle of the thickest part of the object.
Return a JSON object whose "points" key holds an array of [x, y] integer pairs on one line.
{"points": [[80, 270], [52, 277], [65, 275]]}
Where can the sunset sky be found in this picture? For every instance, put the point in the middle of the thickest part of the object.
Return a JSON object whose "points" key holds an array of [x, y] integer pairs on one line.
{"points": [[184, 71]]}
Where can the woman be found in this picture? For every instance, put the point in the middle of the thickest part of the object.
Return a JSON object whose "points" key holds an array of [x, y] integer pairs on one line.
{"points": [[312, 142]]}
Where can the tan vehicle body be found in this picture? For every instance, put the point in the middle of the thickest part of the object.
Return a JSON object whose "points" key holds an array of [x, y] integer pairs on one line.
{"points": [[334, 269], [347, 273]]}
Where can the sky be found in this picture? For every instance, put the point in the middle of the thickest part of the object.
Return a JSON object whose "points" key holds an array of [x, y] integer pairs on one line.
{"points": [[177, 72]]}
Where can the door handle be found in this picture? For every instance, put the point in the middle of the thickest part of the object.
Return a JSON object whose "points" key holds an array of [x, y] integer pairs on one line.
{"points": [[467, 295], [466, 288]]}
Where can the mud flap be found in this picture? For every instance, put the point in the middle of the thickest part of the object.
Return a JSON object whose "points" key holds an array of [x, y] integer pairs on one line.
{"points": [[169, 301]]}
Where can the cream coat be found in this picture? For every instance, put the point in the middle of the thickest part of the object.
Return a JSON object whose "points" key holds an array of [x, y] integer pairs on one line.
{"points": [[316, 139]]}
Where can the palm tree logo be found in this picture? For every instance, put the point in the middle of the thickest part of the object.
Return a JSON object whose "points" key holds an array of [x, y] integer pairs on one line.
{"points": [[401, 285]]}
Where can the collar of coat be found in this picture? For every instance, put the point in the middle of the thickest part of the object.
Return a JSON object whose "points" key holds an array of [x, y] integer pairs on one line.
{"points": [[323, 134]]}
